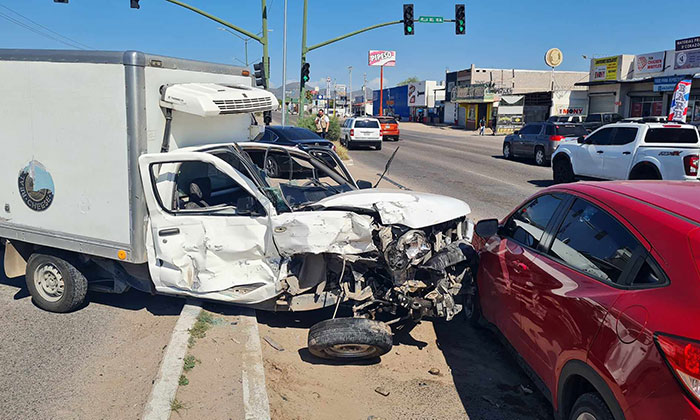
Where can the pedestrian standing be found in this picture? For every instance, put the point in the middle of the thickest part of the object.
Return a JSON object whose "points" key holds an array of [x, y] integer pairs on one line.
{"points": [[322, 123], [482, 126]]}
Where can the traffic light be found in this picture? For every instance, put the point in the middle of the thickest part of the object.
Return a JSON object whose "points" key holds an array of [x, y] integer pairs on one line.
{"points": [[60, 1], [267, 117], [135, 4], [408, 19], [304, 74], [260, 79], [460, 20]]}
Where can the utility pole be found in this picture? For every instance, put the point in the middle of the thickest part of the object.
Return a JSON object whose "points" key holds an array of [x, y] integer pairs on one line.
{"points": [[265, 42], [245, 41], [348, 95], [284, 67], [364, 94], [302, 95]]}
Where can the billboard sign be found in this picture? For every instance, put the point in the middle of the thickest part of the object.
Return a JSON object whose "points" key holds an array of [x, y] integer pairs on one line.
{"points": [[416, 94], [688, 43], [679, 102], [687, 59], [605, 68], [382, 58], [649, 63]]}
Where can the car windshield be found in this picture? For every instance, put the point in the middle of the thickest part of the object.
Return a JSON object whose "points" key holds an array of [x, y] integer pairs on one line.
{"points": [[366, 124], [295, 180], [298, 133], [672, 135], [571, 130]]}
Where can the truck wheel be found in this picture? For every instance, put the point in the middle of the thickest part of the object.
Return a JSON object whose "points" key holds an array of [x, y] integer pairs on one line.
{"points": [[349, 339], [590, 407], [54, 283], [648, 172], [540, 158], [562, 171], [507, 153]]}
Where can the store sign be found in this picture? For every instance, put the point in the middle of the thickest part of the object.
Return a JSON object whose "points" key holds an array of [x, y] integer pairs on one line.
{"points": [[605, 68], [416, 94], [382, 58], [570, 111], [688, 43], [666, 84], [687, 59], [679, 103], [649, 63]]}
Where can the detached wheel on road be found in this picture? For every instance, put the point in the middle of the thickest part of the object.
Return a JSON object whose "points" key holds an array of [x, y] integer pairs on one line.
{"points": [[349, 339], [562, 172], [590, 407], [507, 152], [54, 283], [540, 157]]}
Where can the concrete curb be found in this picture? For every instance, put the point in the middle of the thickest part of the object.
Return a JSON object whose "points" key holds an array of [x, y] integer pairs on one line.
{"points": [[166, 383], [255, 401]]}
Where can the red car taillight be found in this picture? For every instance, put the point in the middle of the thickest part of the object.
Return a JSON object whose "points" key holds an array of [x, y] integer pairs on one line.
{"points": [[556, 138], [683, 357], [690, 163], [352, 132]]}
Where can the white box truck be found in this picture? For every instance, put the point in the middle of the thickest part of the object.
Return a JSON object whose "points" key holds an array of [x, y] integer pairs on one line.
{"points": [[129, 170]]}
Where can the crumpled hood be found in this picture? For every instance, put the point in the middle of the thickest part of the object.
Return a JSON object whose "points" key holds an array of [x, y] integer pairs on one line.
{"points": [[412, 209]]}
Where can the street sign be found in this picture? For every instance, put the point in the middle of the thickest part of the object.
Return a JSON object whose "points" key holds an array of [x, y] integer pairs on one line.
{"points": [[431, 19]]}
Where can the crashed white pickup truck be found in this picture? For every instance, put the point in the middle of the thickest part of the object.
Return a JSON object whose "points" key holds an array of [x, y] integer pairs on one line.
{"points": [[131, 170]]}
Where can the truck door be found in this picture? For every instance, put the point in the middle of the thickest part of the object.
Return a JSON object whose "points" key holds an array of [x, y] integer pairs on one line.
{"points": [[588, 160], [208, 230], [618, 155]]}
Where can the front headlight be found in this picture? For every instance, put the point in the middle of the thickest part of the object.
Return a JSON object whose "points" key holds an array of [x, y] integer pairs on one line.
{"points": [[414, 244]]}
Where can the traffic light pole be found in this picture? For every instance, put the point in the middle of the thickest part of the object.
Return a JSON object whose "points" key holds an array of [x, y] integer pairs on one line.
{"points": [[262, 39], [302, 94]]}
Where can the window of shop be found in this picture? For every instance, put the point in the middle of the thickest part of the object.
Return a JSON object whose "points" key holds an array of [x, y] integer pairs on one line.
{"points": [[645, 106], [694, 110]]}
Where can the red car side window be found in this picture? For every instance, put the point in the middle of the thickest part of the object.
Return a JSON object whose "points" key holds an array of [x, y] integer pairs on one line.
{"points": [[527, 225]]}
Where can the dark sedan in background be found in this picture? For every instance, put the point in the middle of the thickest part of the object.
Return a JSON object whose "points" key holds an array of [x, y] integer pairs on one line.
{"points": [[293, 136]]}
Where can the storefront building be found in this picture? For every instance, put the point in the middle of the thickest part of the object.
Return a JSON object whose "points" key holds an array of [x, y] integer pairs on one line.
{"points": [[425, 101]]}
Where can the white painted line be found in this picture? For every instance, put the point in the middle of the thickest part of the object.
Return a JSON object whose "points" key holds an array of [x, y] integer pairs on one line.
{"points": [[165, 386], [255, 400]]}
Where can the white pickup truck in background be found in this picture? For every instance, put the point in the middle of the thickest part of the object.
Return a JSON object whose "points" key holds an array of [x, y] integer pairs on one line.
{"points": [[630, 151]]}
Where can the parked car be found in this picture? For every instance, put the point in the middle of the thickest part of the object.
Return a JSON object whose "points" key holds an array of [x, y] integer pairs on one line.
{"points": [[539, 140], [300, 137], [595, 285], [595, 121], [363, 131], [630, 151], [389, 127], [567, 118]]}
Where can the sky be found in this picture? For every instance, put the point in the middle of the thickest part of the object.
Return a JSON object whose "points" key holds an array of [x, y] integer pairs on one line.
{"points": [[503, 34]]}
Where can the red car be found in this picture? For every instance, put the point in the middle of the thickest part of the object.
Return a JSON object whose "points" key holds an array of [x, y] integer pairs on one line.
{"points": [[597, 287], [389, 128]]}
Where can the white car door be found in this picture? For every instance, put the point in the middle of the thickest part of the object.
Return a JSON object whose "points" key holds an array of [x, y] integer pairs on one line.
{"points": [[588, 160], [209, 229], [617, 157]]}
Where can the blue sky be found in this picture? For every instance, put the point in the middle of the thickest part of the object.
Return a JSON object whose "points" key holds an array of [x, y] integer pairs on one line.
{"points": [[503, 34]]}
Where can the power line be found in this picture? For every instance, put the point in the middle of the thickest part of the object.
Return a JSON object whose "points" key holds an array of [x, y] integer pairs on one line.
{"points": [[66, 41]]}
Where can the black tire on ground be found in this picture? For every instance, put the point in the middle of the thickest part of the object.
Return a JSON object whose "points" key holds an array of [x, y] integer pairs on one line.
{"points": [[349, 339], [507, 152], [590, 404], [396, 138], [348, 145], [378, 146], [471, 308], [562, 172], [645, 172], [540, 157], [54, 283]]}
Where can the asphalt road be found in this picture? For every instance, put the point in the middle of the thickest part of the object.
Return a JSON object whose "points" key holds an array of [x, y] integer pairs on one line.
{"points": [[459, 164]]}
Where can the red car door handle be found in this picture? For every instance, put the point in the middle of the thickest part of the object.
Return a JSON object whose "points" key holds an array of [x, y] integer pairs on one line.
{"points": [[519, 267]]}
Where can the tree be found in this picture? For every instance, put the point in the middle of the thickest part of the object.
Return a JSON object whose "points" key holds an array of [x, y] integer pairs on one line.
{"points": [[412, 79]]}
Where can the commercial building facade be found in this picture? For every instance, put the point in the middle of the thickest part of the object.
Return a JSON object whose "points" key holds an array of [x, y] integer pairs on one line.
{"points": [[419, 101], [528, 95]]}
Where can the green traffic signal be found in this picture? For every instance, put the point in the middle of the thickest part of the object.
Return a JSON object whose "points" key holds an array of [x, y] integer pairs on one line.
{"points": [[409, 29]]}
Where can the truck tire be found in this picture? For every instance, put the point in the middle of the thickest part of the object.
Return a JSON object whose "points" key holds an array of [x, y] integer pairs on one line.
{"points": [[590, 406], [645, 171], [349, 339], [540, 157], [562, 172], [507, 151], [54, 283]]}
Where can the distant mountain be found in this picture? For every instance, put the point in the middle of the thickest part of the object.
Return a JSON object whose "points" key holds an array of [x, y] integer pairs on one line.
{"points": [[292, 90]]}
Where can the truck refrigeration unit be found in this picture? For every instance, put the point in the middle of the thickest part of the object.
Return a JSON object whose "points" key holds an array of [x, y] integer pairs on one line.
{"points": [[128, 170]]}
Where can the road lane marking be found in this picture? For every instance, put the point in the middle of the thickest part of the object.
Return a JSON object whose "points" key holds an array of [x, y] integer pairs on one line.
{"points": [[166, 383]]}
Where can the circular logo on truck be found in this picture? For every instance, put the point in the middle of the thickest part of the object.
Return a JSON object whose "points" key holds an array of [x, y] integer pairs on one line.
{"points": [[36, 186]]}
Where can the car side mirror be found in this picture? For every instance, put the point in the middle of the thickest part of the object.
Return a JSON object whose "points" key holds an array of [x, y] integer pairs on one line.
{"points": [[246, 206], [581, 139], [364, 185], [486, 228]]}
